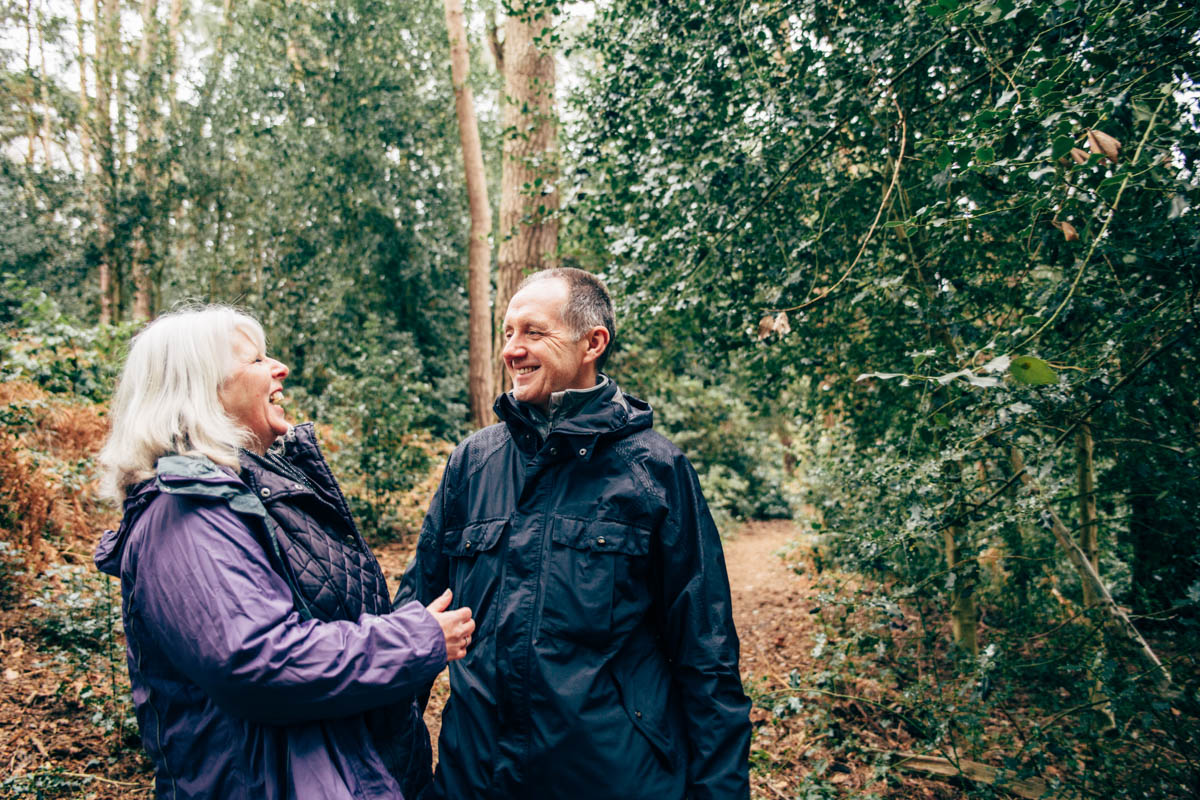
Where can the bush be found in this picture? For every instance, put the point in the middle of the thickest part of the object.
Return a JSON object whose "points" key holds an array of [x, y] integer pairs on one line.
{"points": [[740, 456]]}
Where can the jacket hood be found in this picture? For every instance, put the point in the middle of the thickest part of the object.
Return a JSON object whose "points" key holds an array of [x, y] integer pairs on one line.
{"points": [[170, 469], [112, 543]]}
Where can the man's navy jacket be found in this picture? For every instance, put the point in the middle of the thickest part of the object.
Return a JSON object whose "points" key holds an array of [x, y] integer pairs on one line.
{"points": [[605, 661]]}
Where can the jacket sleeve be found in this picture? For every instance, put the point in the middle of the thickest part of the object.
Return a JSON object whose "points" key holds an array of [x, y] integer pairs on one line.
{"points": [[701, 642], [210, 599]]}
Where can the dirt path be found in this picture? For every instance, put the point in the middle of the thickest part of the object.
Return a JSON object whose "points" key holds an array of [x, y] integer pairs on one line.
{"points": [[770, 601]]}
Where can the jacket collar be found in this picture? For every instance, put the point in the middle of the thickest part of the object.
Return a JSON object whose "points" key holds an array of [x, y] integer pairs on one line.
{"points": [[608, 413]]}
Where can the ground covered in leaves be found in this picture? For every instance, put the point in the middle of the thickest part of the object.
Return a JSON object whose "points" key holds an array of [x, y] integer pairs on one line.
{"points": [[823, 726]]}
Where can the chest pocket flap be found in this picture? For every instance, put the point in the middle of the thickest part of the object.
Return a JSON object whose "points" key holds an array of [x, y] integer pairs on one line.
{"points": [[478, 537], [601, 536], [596, 582]]}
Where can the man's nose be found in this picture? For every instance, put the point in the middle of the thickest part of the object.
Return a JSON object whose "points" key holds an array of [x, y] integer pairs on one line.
{"points": [[512, 348]]}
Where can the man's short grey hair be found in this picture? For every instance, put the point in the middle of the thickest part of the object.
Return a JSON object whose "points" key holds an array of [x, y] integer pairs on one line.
{"points": [[588, 304], [167, 398]]}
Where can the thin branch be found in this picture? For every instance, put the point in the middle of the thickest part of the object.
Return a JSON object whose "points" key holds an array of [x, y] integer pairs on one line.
{"points": [[1104, 228], [874, 223]]}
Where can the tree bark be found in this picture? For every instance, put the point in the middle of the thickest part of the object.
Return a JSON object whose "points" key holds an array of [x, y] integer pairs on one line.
{"points": [[43, 91], [105, 27], [963, 613], [1088, 536], [31, 127], [529, 195], [141, 266], [479, 385], [1089, 543]]}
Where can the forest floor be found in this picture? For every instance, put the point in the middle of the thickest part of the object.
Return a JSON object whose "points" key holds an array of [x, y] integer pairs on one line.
{"points": [[61, 735]]}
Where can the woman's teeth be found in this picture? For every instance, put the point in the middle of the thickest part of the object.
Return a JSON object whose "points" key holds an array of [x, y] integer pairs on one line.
{"points": [[277, 397]]}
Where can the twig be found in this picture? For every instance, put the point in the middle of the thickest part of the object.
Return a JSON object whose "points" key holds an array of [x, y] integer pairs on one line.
{"points": [[798, 161], [1112, 211], [1183, 332], [874, 223]]}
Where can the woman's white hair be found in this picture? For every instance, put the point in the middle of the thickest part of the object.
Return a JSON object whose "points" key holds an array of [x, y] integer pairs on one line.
{"points": [[167, 398]]}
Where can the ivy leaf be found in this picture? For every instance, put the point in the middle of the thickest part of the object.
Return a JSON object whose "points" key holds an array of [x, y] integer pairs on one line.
{"points": [[1032, 371], [1044, 86], [1062, 146]]}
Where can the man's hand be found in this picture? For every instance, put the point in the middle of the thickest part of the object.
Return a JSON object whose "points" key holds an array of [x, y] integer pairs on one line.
{"points": [[457, 625]]}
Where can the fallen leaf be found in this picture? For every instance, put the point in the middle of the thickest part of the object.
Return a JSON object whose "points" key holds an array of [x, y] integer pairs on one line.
{"points": [[781, 324], [11, 674], [1079, 156], [1068, 230], [1101, 142], [764, 327]]}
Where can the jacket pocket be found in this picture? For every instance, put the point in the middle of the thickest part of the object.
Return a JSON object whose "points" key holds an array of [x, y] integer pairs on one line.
{"points": [[473, 554], [595, 579], [646, 704]]}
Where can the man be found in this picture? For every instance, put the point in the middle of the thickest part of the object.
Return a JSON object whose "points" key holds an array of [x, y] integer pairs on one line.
{"points": [[605, 662]]}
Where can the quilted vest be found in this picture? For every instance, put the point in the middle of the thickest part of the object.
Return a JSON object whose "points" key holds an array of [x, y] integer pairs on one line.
{"points": [[331, 569]]}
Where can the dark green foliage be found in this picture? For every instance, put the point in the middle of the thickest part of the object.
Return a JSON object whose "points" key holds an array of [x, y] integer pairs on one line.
{"points": [[911, 188]]}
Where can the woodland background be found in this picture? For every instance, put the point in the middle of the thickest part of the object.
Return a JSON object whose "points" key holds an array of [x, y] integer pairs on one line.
{"points": [[922, 276]]}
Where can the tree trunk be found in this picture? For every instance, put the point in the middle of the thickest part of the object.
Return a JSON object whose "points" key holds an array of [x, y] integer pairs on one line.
{"points": [[1088, 537], [174, 17], [43, 92], [962, 569], [1017, 536], [1089, 543], [87, 168], [479, 253], [141, 266], [105, 19], [31, 127], [529, 196]]}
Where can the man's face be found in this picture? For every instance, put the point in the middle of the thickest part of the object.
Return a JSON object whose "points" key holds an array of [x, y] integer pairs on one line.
{"points": [[541, 354]]}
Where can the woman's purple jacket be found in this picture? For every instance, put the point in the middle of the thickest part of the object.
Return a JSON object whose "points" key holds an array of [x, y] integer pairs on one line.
{"points": [[237, 696]]}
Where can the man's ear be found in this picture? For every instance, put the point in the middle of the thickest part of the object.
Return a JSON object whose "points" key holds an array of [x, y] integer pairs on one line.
{"points": [[597, 343]]}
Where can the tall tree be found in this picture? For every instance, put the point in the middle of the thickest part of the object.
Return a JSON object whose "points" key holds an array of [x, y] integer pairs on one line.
{"points": [[141, 266], [479, 253], [530, 170]]}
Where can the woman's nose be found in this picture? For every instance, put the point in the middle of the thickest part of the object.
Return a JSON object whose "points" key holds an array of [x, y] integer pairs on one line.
{"points": [[280, 371]]}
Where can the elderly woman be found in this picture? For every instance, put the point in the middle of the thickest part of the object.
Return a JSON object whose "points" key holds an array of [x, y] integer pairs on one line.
{"points": [[265, 658]]}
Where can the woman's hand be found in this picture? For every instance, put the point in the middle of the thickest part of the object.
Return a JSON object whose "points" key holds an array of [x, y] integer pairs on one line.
{"points": [[457, 625]]}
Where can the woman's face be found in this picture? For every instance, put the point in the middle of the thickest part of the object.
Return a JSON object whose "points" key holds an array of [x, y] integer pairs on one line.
{"points": [[253, 393]]}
